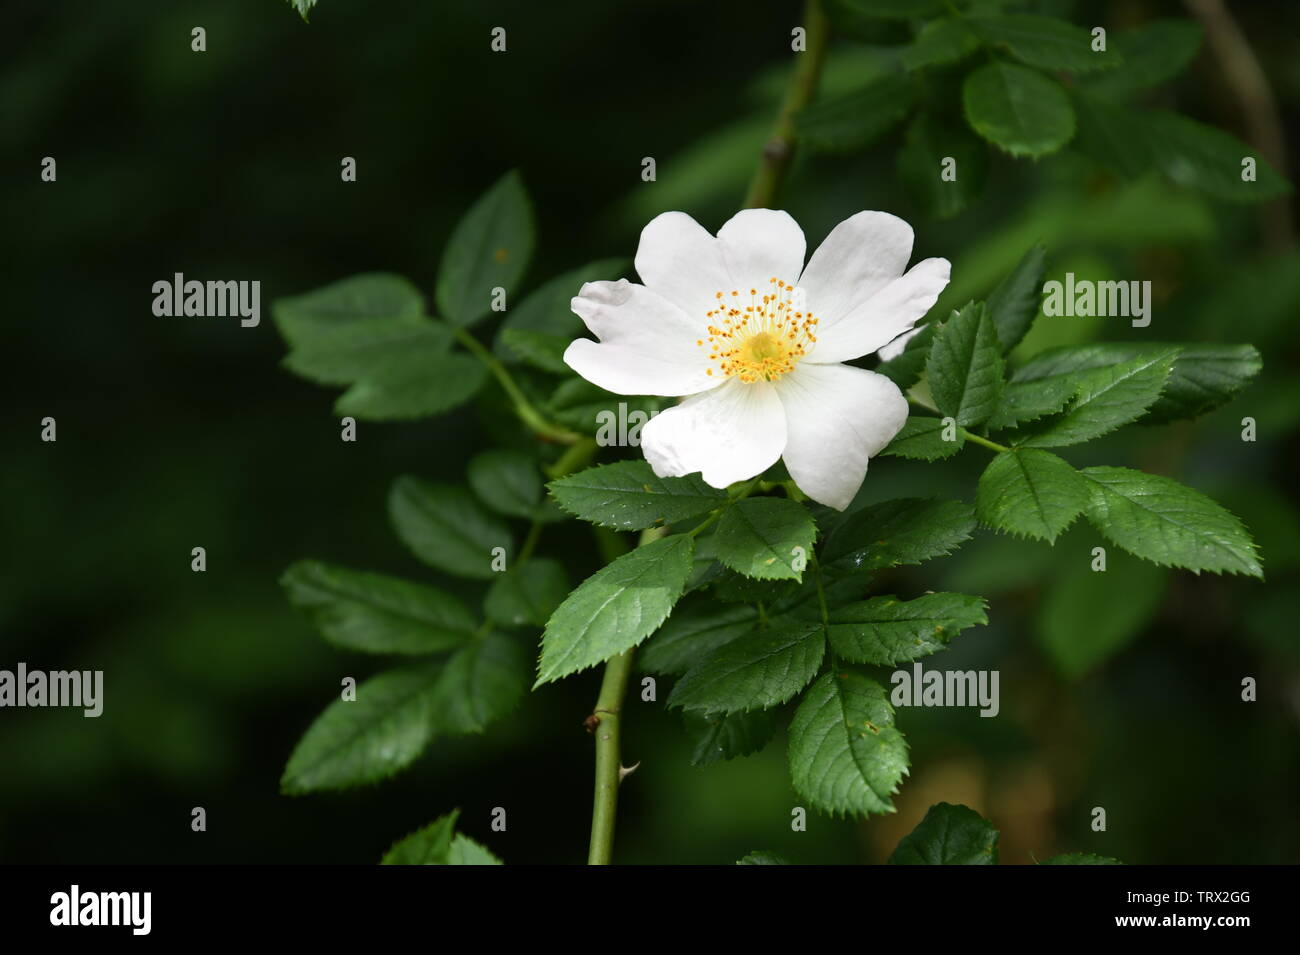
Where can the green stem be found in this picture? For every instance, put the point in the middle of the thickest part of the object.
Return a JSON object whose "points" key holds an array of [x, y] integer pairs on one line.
{"points": [[744, 492], [529, 415], [607, 720], [713, 516], [984, 442], [779, 149], [737, 495], [530, 543], [968, 435]]}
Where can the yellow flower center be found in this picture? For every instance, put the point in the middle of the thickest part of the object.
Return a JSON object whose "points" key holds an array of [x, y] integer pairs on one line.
{"points": [[760, 338]]}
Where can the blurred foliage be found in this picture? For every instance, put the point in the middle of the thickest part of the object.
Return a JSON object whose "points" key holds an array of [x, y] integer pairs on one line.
{"points": [[1120, 691]]}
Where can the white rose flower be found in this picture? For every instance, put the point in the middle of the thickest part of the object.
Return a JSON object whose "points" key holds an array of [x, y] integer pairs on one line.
{"points": [[756, 340]]}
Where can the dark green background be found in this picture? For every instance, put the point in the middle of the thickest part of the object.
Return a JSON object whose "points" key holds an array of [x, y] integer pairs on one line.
{"points": [[177, 432]]}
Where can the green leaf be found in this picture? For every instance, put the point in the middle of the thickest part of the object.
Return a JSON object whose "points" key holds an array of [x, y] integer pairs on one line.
{"points": [[1017, 109], [939, 42], [1030, 493], [886, 631], [932, 140], [1086, 617], [376, 613], [303, 7], [803, 601], [731, 587], [705, 568], [342, 352], [1152, 53], [687, 637], [539, 349], [547, 310], [903, 531], [1114, 136], [1189, 153], [1081, 858], [965, 366], [369, 332], [509, 482], [1045, 42], [852, 121], [1168, 523], [766, 537], [446, 527], [489, 249], [719, 736], [1205, 375], [922, 440], [949, 835], [756, 672], [428, 846], [465, 851], [628, 496], [845, 753], [1107, 398], [363, 741], [439, 385], [1031, 400], [527, 595], [481, 683], [615, 608], [760, 857], [331, 311], [905, 370], [1014, 304], [438, 844]]}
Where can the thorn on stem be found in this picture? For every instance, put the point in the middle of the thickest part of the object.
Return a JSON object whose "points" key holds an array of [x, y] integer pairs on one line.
{"points": [[624, 771]]}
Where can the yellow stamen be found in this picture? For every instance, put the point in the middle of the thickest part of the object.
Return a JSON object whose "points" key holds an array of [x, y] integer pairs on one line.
{"points": [[763, 340]]}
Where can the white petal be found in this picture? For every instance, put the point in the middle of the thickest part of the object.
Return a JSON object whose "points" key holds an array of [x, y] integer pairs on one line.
{"points": [[759, 244], [898, 345], [862, 255], [730, 434], [893, 310], [623, 313], [678, 259], [628, 371], [647, 344], [837, 417]]}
